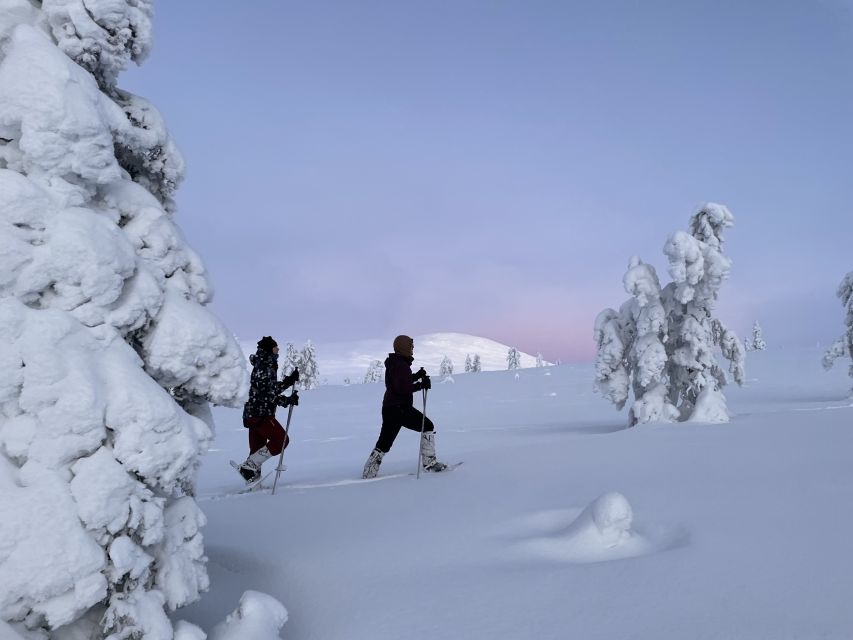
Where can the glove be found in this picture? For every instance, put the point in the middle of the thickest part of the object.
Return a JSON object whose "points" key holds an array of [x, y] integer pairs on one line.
{"points": [[425, 383], [290, 379], [420, 374], [286, 401]]}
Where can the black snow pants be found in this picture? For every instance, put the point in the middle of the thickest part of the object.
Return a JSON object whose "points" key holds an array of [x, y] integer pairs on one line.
{"points": [[395, 417]]}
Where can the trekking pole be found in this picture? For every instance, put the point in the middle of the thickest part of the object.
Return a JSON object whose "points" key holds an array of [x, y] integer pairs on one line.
{"points": [[421, 445], [286, 442]]}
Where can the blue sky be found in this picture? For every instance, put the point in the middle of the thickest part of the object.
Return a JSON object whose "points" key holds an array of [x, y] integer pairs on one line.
{"points": [[361, 169]]}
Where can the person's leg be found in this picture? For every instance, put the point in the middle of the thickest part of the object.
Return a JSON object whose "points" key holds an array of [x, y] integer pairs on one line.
{"points": [[256, 440], [412, 419], [391, 421], [273, 433], [266, 439]]}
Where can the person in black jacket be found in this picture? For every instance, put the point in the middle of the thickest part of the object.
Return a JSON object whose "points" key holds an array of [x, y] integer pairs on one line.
{"points": [[398, 410], [266, 435]]}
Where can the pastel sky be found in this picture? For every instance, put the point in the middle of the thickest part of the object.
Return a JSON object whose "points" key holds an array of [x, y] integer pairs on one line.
{"points": [[362, 169]]}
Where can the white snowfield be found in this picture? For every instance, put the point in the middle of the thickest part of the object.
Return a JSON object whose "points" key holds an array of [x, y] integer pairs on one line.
{"points": [[340, 360], [561, 523]]}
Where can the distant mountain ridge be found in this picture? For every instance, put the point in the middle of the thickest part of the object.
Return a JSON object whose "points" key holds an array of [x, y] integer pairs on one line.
{"points": [[341, 360]]}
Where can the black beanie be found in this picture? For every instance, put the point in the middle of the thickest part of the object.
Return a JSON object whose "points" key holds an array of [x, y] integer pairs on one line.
{"points": [[267, 343]]}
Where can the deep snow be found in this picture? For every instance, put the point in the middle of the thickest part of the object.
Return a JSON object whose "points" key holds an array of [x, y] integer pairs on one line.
{"points": [[724, 531]]}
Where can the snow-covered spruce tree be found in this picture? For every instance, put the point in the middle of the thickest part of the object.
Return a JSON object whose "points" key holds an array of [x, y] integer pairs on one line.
{"points": [[757, 343], [469, 364], [661, 342], [476, 365], [513, 358], [844, 345], [698, 268], [446, 367], [375, 372], [109, 357], [292, 360], [631, 350], [309, 372], [539, 361]]}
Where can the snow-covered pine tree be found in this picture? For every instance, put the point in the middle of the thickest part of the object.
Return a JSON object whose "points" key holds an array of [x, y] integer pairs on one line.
{"points": [[661, 341], [631, 350], [292, 360], [476, 365], [513, 358], [698, 268], [539, 361], [757, 343], [375, 372], [446, 367], [469, 364], [844, 345], [109, 357], [309, 371]]}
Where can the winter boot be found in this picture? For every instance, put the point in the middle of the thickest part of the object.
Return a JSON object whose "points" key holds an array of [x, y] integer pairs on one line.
{"points": [[428, 459], [251, 469], [371, 467]]}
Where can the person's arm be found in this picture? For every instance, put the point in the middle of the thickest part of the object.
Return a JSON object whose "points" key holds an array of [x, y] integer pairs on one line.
{"points": [[288, 380], [420, 374], [286, 401], [397, 380]]}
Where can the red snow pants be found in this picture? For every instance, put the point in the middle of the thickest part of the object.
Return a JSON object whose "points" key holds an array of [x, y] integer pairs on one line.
{"points": [[268, 431]]}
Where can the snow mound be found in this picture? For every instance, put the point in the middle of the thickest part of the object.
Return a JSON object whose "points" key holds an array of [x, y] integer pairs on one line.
{"points": [[257, 617], [603, 531], [710, 406]]}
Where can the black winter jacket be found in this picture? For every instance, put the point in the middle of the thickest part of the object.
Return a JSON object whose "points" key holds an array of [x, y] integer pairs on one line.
{"points": [[265, 388], [399, 381]]}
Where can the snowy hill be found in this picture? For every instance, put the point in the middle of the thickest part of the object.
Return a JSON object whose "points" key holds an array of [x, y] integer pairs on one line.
{"points": [[339, 360], [561, 523]]}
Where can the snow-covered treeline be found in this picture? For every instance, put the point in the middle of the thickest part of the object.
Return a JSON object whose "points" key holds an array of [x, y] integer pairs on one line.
{"points": [[109, 358], [661, 343]]}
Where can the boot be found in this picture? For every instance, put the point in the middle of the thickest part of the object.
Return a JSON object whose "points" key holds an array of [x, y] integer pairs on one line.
{"points": [[251, 469], [428, 459], [371, 467]]}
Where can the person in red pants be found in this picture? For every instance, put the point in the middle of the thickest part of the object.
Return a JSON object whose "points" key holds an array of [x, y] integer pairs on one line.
{"points": [[266, 435]]}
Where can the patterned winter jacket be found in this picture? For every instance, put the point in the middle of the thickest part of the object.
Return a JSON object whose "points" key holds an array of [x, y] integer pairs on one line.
{"points": [[265, 385]]}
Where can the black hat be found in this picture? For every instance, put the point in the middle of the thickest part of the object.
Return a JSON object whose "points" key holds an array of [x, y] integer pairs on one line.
{"points": [[267, 343]]}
